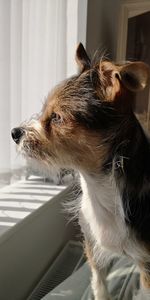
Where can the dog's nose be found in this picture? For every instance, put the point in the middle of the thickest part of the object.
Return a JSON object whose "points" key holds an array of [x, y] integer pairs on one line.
{"points": [[17, 133]]}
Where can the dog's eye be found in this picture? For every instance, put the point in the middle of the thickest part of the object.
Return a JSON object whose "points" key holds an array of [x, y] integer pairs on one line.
{"points": [[55, 118]]}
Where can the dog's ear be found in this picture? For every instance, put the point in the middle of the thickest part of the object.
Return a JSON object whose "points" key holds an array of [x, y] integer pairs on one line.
{"points": [[82, 58], [134, 75]]}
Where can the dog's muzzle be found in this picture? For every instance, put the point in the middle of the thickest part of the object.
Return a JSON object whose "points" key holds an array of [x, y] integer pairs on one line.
{"points": [[17, 133]]}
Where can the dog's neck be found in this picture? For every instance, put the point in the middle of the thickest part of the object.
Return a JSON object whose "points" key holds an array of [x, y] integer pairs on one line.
{"points": [[99, 189], [102, 210]]}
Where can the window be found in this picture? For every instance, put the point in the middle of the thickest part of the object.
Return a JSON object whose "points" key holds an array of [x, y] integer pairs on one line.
{"points": [[37, 46]]}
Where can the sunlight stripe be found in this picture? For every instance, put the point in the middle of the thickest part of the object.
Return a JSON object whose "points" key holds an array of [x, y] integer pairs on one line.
{"points": [[14, 214], [10, 224], [32, 205]]}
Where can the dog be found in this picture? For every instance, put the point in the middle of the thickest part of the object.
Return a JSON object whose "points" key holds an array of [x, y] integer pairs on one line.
{"points": [[87, 123]]}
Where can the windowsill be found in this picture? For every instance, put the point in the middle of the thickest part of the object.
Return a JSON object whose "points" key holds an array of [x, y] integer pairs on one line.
{"points": [[21, 198]]}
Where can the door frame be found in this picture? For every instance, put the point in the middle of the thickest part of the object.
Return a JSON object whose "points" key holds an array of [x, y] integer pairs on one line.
{"points": [[128, 9]]}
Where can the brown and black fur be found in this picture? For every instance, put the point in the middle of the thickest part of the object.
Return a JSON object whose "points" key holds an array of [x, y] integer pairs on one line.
{"points": [[88, 123]]}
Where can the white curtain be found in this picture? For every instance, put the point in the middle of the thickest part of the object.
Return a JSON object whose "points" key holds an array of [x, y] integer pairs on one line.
{"points": [[37, 47]]}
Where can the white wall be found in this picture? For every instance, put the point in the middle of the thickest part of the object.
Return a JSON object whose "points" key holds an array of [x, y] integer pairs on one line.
{"points": [[102, 26]]}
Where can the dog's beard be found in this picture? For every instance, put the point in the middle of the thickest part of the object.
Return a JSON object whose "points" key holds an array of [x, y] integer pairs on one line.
{"points": [[30, 147], [33, 146], [39, 153]]}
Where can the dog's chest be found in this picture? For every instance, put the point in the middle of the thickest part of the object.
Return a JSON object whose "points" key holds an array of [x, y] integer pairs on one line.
{"points": [[103, 215]]}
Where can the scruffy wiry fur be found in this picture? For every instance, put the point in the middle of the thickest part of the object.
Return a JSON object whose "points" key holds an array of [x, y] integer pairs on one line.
{"points": [[87, 123]]}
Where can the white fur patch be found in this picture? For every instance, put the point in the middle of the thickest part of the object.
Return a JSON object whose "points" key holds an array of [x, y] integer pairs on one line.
{"points": [[101, 206]]}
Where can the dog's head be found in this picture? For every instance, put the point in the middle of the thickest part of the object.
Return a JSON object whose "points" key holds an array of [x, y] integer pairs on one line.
{"points": [[82, 114]]}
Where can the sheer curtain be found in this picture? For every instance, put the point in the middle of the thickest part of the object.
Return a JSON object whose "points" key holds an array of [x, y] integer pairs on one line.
{"points": [[37, 46]]}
